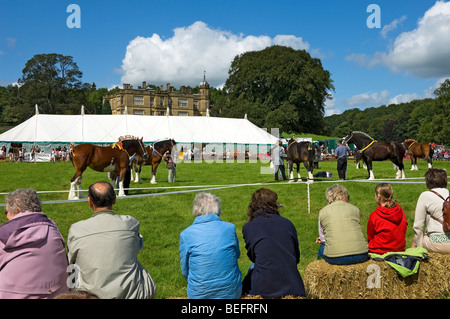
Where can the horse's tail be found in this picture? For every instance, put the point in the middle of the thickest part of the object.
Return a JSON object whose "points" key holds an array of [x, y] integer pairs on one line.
{"points": [[71, 156]]}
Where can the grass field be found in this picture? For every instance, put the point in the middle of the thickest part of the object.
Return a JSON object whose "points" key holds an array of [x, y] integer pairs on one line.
{"points": [[165, 213]]}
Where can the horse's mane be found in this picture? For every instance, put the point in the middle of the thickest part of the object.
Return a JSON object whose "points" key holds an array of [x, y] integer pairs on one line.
{"points": [[410, 140], [165, 142], [362, 133]]}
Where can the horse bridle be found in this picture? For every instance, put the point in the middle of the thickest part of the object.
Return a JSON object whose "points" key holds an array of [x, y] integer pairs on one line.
{"points": [[347, 138], [143, 148]]}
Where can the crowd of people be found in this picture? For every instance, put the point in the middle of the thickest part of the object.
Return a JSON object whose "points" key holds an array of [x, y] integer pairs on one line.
{"points": [[101, 259]]}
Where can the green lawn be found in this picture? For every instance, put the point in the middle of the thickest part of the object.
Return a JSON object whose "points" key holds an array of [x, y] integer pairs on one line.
{"points": [[168, 211]]}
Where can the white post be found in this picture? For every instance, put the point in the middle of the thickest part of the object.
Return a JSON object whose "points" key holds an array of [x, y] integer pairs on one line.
{"points": [[309, 200]]}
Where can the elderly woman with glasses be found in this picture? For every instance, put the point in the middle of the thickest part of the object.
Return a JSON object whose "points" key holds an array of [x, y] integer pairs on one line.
{"points": [[33, 260]]}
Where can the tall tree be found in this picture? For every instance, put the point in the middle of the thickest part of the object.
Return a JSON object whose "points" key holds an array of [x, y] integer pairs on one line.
{"points": [[289, 86], [47, 79]]}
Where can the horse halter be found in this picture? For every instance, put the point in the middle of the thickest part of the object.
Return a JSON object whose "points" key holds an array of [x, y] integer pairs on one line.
{"points": [[347, 138], [144, 155]]}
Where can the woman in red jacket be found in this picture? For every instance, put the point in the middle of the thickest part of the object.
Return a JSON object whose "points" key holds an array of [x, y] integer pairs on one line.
{"points": [[386, 228]]}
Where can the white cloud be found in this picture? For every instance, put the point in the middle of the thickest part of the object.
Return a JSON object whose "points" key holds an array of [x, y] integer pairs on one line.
{"points": [[376, 99], [330, 107], [423, 52], [181, 59], [391, 26], [11, 42], [368, 99]]}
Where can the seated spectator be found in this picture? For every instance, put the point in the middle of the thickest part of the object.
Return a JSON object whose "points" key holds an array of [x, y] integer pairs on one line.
{"points": [[428, 213], [272, 247], [386, 228], [342, 240], [209, 251], [104, 250], [33, 260]]}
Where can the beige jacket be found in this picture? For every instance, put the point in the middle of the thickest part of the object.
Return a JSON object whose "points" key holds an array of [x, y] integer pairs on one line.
{"points": [[341, 225], [103, 250]]}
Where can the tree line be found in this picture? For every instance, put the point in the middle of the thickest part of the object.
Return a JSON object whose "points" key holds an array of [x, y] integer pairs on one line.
{"points": [[425, 120]]}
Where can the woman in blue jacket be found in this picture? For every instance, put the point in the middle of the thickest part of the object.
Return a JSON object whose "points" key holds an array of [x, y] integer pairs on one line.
{"points": [[272, 246], [209, 251]]}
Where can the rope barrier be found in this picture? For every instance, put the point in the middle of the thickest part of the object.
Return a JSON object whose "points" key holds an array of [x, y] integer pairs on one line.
{"points": [[200, 188]]}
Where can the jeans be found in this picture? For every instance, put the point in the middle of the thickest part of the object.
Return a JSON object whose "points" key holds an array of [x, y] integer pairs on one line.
{"points": [[343, 260]]}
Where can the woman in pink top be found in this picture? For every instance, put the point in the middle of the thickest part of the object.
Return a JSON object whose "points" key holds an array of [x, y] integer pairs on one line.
{"points": [[33, 260]]}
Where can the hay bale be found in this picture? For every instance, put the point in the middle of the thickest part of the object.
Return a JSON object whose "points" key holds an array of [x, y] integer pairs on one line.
{"points": [[325, 281]]}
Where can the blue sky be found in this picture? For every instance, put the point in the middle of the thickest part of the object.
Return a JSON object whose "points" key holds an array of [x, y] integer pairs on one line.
{"points": [[176, 41]]}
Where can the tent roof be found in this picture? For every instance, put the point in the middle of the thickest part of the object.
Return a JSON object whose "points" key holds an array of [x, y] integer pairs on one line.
{"points": [[43, 128]]}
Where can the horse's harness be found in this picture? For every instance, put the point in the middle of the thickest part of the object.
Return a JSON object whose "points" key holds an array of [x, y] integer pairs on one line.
{"points": [[368, 146], [120, 146], [413, 142]]}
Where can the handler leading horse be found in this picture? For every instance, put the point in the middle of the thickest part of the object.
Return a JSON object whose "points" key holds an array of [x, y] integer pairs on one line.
{"points": [[114, 159], [371, 150], [417, 150], [300, 152], [156, 154]]}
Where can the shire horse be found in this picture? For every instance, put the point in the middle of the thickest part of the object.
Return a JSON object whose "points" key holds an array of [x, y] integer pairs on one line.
{"points": [[156, 155], [417, 150], [300, 152], [114, 159], [372, 150]]}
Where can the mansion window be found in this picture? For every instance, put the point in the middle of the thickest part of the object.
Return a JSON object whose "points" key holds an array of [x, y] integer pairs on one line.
{"points": [[182, 103], [138, 100]]}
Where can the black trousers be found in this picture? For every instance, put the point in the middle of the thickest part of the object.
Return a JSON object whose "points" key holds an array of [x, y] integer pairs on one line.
{"points": [[280, 168], [342, 167]]}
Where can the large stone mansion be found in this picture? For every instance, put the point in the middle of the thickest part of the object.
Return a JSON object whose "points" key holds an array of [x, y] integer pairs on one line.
{"points": [[150, 101]]}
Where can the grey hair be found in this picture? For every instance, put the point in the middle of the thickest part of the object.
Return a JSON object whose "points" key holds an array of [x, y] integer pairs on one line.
{"points": [[336, 192], [24, 200], [206, 203]]}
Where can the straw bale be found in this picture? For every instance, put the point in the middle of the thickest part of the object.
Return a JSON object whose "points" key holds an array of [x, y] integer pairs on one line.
{"points": [[325, 281]]}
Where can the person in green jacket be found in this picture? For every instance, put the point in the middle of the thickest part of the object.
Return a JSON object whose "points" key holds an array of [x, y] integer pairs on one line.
{"points": [[102, 251], [340, 234]]}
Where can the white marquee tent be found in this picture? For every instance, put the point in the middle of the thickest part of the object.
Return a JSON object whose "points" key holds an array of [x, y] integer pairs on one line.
{"points": [[106, 129]]}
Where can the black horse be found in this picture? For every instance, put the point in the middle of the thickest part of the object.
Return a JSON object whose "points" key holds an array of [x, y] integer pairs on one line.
{"points": [[372, 150], [300, 152]]}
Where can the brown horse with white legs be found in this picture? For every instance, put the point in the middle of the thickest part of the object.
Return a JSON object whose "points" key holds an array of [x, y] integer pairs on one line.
{"points": [[416, 150], [156, 154], [114, 159]]}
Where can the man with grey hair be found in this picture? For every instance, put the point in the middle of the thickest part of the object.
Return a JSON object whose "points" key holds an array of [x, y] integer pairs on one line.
{"points": [[209, 251], [33, 258]]}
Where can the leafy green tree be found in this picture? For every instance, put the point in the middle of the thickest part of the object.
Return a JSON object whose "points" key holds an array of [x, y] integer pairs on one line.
{"points": [[47, 79], [284, 83]]}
